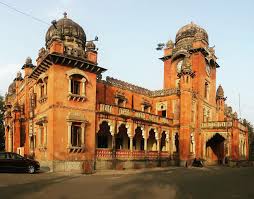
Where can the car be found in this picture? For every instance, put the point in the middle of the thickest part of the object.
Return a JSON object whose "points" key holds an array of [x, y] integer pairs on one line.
{"points": [[13, 162]]}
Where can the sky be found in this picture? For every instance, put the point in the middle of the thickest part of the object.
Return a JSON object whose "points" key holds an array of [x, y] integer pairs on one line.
{"points": [[129, 32]]}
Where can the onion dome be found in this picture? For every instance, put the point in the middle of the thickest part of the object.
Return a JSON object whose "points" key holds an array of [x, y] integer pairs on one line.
{"points": [[18, 77], [190, 32], [220, 93], [90, 46], [12, 88], [65, 30], [28, 63], [170, 44]]}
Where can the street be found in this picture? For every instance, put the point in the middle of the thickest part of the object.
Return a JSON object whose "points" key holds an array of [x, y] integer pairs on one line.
{"points": [[175, 182]]}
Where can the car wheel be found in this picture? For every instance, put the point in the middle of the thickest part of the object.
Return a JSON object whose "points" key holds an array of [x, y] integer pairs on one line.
{"points": [[31, 169]]}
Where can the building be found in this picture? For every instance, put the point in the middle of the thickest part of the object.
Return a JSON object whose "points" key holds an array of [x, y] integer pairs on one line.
{"points": [[64, 114]]}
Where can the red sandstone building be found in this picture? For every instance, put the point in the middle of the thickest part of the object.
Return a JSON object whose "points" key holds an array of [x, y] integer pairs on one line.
{"points": [[63, 114]]}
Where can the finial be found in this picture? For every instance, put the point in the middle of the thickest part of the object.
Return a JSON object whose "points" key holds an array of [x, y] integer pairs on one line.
{"points": [[65, 14]]}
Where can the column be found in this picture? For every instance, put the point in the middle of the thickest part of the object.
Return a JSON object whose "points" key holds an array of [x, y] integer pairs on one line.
{"points": [[10, 140], [204, 146], [173, 143], [45, 89], [131, 143], [83, 92], [158, 144], [145, 144], [69, 135], [83, 126], [69, 91], [45, 141], [39, 136]]}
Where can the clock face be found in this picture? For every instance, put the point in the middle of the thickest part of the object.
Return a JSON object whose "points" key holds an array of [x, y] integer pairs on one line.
{"points": [[208, 69], [179, 66]]}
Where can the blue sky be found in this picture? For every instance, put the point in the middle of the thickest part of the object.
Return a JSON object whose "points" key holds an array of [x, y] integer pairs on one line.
{"points": [[128, 32]]}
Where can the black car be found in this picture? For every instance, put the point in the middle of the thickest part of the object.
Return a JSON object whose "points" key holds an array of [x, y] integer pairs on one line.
{"points": [[13, 162]]}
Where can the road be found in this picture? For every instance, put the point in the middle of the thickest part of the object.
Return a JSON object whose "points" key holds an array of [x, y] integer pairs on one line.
{"points": [[211, 182]]}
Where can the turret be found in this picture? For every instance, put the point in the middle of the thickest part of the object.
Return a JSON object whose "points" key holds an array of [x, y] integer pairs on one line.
{"points": [[220, 103], [28, 67]]}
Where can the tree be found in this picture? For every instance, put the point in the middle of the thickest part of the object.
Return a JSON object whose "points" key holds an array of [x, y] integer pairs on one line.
{"points": [[2, 140], [250, 130]]}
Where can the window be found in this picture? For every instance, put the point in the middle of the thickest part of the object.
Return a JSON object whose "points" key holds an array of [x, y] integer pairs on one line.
{"points": [[2, 156], [164, 113], [75, 87], [121, 102], [76, 135], [15, 156], [206, 90]]}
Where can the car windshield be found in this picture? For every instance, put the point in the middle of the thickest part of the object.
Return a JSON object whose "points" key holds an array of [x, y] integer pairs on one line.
{"points": [[2, 156], [15, 156]]}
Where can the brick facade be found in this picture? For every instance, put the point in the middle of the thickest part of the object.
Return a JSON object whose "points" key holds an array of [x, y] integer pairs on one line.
{"points": [[66, 116]]}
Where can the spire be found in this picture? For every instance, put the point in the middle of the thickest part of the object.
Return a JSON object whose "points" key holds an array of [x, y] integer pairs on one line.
{"points": [[170, 44], [220, 93], [65, 15]]}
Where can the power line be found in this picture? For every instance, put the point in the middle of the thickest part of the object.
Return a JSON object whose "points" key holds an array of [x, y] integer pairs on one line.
{"points": [[21, 12]]}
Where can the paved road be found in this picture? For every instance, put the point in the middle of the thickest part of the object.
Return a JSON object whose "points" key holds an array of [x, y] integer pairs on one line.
{"points": [[212, 182]]}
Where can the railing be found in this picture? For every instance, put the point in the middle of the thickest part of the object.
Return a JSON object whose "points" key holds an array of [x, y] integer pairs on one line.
{"points": [[124, 154], [104, 153], [211, 125], [151, 155], [164, 154], [115, 110]]}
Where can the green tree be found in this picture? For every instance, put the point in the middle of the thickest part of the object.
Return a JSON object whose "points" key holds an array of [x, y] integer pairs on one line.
{"points": [[2, 141]]}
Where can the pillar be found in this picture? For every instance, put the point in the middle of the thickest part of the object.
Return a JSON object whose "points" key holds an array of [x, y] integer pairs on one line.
{"points": [[83, 126], [45, 141], [10, 134], [69, 134], [204, 146], [83, 92], [131, 143], [39, 136], [69, 91]]}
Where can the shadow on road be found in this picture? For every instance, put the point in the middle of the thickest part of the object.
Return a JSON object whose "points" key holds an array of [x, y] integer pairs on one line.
{"points": [[188, 183], [15, 191]]}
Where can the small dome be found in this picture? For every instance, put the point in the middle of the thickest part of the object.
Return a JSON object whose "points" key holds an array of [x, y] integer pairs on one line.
{"points": [[28, 63], [170, 44], [220, 92], [12, 88], [66, 30], [90, 46], [28, 60], [191, 31]]}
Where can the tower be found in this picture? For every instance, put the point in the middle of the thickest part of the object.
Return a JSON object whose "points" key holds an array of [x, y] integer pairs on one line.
{"points": [[186, 76], [220, 103]]}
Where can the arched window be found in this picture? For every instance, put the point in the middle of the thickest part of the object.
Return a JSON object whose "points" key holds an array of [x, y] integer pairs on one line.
{"points": [[42, 84], [77, 85]]}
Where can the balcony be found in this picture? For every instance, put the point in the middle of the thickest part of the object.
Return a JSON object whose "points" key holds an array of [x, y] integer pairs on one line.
{"points": [[125, 154], [134, 114]]}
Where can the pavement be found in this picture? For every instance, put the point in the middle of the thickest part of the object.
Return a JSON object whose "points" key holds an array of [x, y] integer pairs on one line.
{"points": [[172, 182]]}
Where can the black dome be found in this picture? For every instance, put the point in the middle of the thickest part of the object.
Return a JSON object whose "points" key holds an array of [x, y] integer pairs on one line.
{"points": [[66, 30]]}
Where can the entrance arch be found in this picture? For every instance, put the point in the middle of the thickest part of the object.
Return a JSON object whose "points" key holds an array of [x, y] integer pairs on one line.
{"points": [[163, 146], [138, 140], [151, 141], [122, 139], [104, 137], [215, 149]]}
